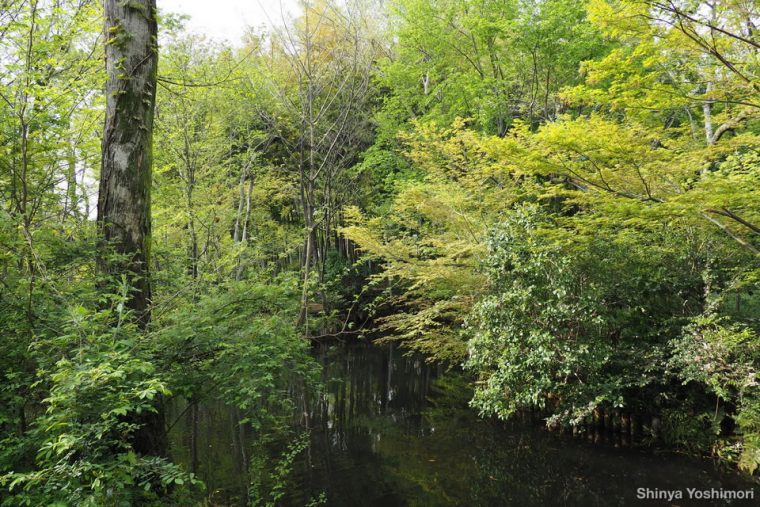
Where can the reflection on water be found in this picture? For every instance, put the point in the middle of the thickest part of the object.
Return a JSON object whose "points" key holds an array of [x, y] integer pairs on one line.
{"points": [[390, 430]]}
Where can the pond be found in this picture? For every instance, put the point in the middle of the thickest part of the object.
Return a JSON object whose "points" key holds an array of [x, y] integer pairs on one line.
{"points": [[391, 430]]}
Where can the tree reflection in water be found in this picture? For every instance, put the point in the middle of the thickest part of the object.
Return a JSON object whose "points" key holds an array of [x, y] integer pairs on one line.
{"points": [[391, 430]]}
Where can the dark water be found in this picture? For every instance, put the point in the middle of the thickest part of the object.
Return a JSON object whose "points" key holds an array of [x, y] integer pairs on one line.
{"points": [[390, 430]]}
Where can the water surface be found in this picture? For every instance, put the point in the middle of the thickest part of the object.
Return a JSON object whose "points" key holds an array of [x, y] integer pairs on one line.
{"points": [[391, 430]]}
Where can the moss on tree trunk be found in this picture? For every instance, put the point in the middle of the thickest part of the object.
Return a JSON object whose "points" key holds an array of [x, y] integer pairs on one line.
{"points": [[125, 180]]}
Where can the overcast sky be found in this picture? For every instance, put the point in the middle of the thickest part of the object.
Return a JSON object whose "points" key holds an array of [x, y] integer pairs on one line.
{"points": [[227, 19]]}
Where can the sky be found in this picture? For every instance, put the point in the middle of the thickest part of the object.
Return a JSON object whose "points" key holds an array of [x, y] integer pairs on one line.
{"points": [[228, 19]]}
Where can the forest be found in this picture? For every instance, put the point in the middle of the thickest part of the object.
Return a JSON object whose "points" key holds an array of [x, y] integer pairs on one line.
{"points": [[557, 200]]}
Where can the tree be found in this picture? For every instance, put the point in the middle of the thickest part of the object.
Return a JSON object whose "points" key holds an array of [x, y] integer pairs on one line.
{"points": [[430, 239], [321, 70], [492, 61], [47, 140], [669, 67], [125, 180]]}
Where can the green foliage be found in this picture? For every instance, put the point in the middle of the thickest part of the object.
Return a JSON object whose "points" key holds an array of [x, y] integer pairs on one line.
{"points": [[724, 357], [238, 343], [667, 62], [430, 238], [687, 429], [602, 257], [720, 355], [97, 391], [748, 420], [268, 489], [573, 322], [491, 61]]}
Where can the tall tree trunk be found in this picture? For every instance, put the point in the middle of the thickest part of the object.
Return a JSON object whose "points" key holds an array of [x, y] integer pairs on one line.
{"points": [[241, 239], [71, 204], [125, 179], [248, 206], [193, 247], [309, 247], [124, 194], [707, 112], [241, 202]]}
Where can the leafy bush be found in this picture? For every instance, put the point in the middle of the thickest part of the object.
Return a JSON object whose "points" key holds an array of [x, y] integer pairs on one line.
{"points": [[571, 322], [722, 357], [97, 392], [238, 344]]}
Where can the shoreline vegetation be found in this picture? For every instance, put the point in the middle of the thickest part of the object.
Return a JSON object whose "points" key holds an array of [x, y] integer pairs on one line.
{"points": [[559, 196]]}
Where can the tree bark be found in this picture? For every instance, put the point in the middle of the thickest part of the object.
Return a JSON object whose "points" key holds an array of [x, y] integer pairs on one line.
{"points": [[707, 113], [125, 180]]}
